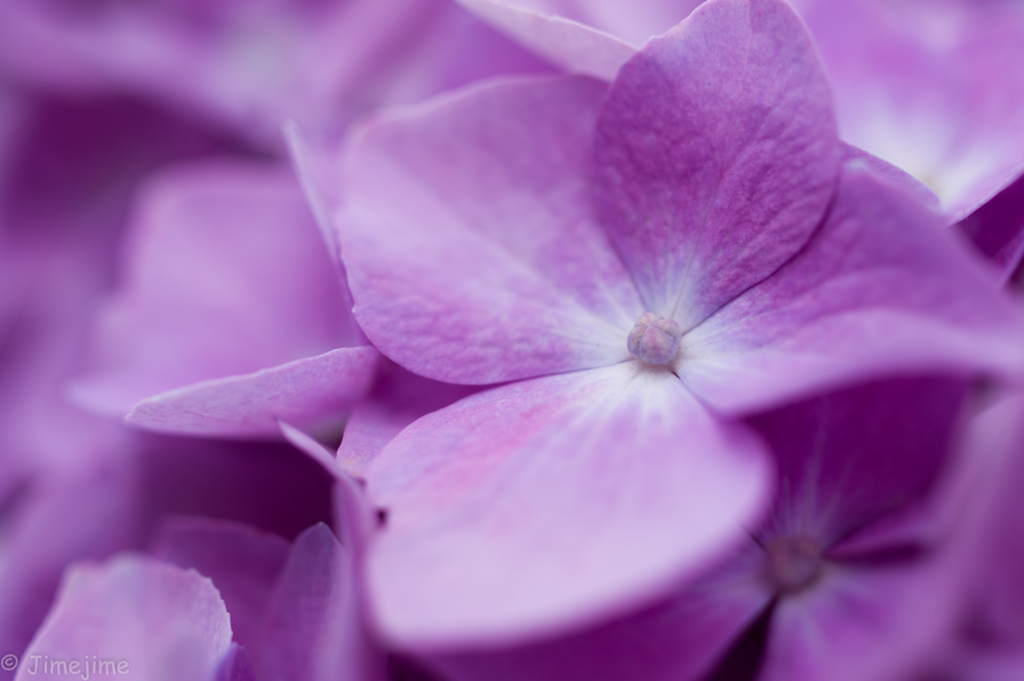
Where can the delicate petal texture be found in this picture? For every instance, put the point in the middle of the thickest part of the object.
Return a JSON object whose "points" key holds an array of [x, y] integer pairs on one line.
{"points": [[880, 287], [164, 623], [308, 391], [850, 457], [471, 252], [313, 629], [243, 563], [398, 398], [571, 44], [929, 86], [677, 639], [544, 504], [716, 155]]}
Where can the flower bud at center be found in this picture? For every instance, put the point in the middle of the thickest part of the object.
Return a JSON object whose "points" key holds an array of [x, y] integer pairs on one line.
{"points": [[654, 339], [793, 562]]}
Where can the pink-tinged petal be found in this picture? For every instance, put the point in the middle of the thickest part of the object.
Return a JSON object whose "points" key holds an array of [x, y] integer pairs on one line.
{"points": [[679, 638], [310, 392], [313, 629], [471, 252], [549, 504], [848, 458], [397, 399], [880, 288], [716, 155], [162, 622], [575, 46], [929, 87], [243, 562], [997, 229]]}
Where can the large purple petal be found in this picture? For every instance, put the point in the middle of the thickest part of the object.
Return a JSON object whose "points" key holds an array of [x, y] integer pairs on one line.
{"points": [[716, 155], [154, 620], [471, 252], [243, 563], [880, 288], [546, 504]]}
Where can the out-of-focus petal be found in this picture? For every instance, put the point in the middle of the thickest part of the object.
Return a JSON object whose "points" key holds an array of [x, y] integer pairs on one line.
{"points": [[226, 275], [471, 252], [881, 287], [716, 155], [314, 629], [997, 229], [929, 87], [85, 512], [153, 619], [573, 45], [549, 504], [870, 624], [243, 563], [850, 457]]}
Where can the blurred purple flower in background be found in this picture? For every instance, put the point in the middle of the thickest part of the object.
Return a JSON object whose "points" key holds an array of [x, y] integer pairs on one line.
{"points": [[648, 375]]}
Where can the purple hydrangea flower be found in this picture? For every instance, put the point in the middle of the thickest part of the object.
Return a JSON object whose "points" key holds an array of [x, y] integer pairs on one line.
{"points": [[516, 233]]}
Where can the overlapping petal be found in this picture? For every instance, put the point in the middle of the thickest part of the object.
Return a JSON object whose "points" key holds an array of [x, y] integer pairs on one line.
{"points": [[851, 456], [314, 628], [243, 563], [155, 620], [880, 288], [470, 246], [683, 636], [536, 506], [716, 156], [230, 289]]}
